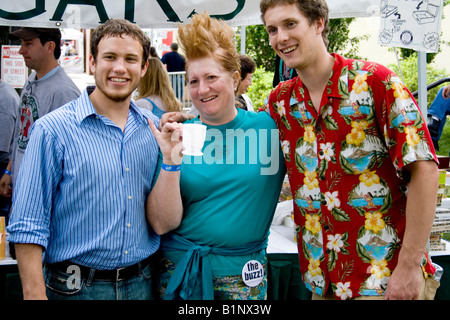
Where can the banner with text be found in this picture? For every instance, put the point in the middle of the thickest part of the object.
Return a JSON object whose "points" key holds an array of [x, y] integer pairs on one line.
{"points": [[88, 14]]}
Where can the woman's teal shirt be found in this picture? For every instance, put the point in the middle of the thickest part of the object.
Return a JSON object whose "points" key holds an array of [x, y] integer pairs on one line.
{"points": [[231, 192]]}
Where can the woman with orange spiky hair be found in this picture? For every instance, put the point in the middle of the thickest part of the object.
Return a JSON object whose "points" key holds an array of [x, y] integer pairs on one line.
{"points": [[210, 40], [216, 211]]}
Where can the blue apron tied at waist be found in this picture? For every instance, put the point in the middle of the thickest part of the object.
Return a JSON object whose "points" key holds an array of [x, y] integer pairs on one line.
{"points": [[187, 275]]}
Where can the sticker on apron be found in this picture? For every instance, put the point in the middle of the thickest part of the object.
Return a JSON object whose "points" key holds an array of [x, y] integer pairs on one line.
{"points": [[252, 273]]}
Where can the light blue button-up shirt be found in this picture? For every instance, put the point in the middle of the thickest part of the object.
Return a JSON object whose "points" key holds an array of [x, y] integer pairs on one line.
{"points": [[82, 187]]}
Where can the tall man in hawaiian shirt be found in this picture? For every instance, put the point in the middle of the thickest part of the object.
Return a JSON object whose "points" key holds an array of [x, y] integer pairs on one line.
{"points": [[361, 164]]}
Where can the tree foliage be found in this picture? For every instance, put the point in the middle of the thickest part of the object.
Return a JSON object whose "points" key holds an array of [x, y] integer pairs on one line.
{"points": [[260, 88], [408, 71], [340, 41], [258, 47]]}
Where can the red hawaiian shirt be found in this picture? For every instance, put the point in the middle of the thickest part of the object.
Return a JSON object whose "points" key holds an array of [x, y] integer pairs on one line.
{"points": [[345, 170]]}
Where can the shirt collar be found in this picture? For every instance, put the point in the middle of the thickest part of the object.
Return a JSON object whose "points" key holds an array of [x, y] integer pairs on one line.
{"points": [[32, 78], [138, 111], [86, 109], [337, 86], [338, 83], [50, 73]]}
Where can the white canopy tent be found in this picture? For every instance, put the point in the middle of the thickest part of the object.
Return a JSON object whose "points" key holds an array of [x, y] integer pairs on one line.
{"points": [[87, 14]]}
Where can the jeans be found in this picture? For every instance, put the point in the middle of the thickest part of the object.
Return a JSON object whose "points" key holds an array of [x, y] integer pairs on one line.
{"points": [[64, 286]]}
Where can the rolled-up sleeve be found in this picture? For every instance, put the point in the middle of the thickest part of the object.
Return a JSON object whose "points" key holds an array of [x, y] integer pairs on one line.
{"points": [[37, 180]]}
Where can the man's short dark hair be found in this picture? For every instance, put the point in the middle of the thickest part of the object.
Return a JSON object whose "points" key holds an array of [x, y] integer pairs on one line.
{"points": [[118, 28], [247, 65], [43, 34], [312, 9]]}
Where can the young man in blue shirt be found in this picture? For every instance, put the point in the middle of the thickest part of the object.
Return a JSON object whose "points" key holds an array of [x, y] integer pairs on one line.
{"points": [[81, 190]]}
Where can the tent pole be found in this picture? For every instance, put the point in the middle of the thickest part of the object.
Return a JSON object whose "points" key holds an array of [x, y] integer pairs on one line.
{"points": [[422, 83], [243, 36]]}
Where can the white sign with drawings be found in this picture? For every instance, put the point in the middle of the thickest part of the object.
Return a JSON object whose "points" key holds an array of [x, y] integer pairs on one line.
{"points": [[412, 24]]}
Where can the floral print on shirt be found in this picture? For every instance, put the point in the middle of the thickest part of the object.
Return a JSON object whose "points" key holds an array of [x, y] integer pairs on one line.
{"points": [[345, 169]]}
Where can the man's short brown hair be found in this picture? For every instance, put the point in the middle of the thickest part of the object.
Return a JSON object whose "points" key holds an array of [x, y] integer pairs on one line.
{"points": [[118, 28], [312, 9]]}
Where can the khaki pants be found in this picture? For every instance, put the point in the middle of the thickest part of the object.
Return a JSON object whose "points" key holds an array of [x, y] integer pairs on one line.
{"points": [[427, 292]]}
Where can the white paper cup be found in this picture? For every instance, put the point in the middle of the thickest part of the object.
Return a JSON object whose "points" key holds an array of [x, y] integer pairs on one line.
{"points": [[193, 139]]}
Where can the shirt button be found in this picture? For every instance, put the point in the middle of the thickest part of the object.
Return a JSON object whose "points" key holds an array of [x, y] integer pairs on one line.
{"points": [[127, 169], [129, 225], [130, 197], [126, 251]]}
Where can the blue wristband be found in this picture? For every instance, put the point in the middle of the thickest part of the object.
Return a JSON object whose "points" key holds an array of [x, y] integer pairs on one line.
{"points": [[8, 172], [168, 167]]}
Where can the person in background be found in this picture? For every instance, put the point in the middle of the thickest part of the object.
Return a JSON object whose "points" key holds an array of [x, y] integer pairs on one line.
{"points": [[282, 72], [437, 114], [47, 88], [446, 92], [360, 161], [175, 62], [9, 109], [213, 234], [81, 190], [155, 92], [153, 52], [248, 67]]}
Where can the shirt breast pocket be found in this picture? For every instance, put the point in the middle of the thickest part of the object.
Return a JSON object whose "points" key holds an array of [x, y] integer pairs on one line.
{"points": [[360, 141]]}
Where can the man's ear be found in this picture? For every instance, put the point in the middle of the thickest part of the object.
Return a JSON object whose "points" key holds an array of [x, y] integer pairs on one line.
{"points": [[236, 80], [144, 69], [320, 25], [50, 46], [92, 63]]}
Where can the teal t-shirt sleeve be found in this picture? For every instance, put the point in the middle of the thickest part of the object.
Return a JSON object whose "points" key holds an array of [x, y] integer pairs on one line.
{"points": [[224, 196]]}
